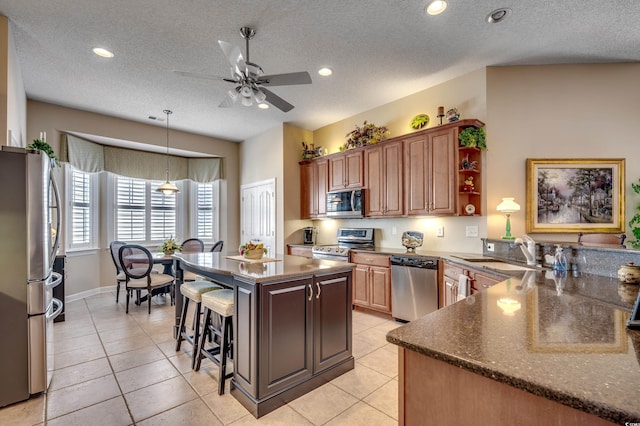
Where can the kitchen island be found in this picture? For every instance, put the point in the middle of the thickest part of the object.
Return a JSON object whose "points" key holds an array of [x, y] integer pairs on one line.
{"points": [[530, 351], [291, 327]]}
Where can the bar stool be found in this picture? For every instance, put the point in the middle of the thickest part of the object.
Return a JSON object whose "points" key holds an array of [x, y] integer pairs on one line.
{"points": [[193, 291], [218, 302]]}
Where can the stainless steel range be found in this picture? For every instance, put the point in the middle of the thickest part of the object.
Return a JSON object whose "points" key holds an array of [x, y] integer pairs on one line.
{"points": [[348, 238]]}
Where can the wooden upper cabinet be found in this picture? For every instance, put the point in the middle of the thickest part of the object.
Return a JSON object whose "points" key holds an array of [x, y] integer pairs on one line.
{"points": [[383, 168], [307, 177], [322, 185], [313, 188], [346, 171]]}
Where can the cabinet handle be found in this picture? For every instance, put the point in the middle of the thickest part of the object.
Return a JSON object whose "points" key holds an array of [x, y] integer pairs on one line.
{"points": [[310, 292], [319, 290]]}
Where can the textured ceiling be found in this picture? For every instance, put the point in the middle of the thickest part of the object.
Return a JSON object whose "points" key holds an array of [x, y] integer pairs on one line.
{"points": [[380, 51]]}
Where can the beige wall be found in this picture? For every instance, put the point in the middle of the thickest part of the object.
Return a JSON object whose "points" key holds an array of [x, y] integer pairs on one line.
{"points": [[88, 272], [261, 159], [558, 111], [13, 99]]}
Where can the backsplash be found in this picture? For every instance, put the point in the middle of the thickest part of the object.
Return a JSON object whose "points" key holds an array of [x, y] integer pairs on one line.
{"points": [[603, 261]]}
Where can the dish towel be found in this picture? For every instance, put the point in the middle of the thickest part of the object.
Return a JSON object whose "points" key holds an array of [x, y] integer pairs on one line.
{"points": [[463, 287]]}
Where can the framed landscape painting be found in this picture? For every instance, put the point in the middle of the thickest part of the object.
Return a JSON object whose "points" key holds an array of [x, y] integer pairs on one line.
{"points": [[575, 195]]}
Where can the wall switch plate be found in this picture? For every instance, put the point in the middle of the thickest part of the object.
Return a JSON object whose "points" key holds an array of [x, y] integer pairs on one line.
{"points": [[394, 230], [440, 231], [490, 247], [472, 231]]}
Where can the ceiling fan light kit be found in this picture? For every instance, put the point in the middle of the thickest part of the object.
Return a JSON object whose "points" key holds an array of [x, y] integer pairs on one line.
{"points": [[249, 77]]}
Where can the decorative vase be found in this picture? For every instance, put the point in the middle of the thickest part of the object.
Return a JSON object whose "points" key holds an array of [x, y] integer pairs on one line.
{"points": [[169, 252], [629, 273], [253, 254]]}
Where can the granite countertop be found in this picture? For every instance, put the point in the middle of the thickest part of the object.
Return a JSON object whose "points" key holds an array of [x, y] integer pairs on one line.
{"points": [[283, 267], [566, 340]]}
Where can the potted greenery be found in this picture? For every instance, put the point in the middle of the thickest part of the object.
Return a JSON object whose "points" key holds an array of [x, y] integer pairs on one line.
{"points": [[368, 134], [43, 146], [634, 223], [473, 137], [170, 246]]}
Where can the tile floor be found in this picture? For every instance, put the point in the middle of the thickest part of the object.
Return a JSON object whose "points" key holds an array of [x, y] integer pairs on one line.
{"points": [[117, 369]]}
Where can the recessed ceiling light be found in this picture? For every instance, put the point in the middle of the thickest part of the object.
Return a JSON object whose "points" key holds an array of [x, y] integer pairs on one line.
{"points": [[263, 106], [498, 15], [325, 71], [436, 7], [102, 52]]}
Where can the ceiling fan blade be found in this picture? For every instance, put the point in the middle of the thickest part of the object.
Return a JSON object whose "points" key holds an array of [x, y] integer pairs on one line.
{"points": [[234, 55], [277, 101], [203, 76], [288, 79]]}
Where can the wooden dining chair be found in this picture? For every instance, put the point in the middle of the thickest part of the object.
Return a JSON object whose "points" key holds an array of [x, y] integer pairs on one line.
{"points": [[114, 248], [217, 247], [137, 263], [192, 245], [614, 239]]}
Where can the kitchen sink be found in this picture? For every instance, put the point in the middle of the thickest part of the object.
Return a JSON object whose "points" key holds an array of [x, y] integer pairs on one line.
{"points": [[491, 263], [503, 266]]}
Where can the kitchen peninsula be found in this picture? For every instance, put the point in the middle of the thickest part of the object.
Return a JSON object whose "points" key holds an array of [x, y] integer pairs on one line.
{"points": [[292, 323], [538, 350]]}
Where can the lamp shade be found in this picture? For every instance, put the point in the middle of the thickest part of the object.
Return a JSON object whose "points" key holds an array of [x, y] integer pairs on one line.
{"points": [[508, 205]]}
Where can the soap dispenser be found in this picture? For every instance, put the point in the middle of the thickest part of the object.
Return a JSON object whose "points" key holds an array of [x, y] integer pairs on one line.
{"points": [[559, 260]]}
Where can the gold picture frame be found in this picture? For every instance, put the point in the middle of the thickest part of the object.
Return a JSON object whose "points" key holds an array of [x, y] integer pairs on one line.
{"points": [[575, 195]]}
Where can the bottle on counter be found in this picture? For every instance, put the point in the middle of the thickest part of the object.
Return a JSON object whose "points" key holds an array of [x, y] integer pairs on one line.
{"points": [[559, 260]]}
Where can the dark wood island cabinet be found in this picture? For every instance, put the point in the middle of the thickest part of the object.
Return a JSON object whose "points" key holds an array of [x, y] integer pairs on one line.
{"points": [[292, 324]]}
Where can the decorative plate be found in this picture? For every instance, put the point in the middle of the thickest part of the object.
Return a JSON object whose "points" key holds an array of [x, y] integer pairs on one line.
{"points": [[419, 121], [470, 209]]}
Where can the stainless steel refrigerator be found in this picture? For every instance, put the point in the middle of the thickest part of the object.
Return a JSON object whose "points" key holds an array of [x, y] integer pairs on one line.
{"points": [[29, 211]]}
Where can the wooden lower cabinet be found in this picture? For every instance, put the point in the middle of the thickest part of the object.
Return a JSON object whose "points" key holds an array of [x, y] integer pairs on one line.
{"points": [[449, 395], [480, 279], [372, 281], [294, 334]]}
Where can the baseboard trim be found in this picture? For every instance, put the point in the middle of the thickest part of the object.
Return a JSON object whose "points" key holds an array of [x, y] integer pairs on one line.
{"points": [[88, 293]]}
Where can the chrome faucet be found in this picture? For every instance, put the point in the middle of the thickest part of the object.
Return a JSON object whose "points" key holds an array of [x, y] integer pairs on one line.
{"points": [[528, 247]]}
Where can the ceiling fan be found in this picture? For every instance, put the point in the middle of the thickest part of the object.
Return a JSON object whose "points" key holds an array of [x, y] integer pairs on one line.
{"points": [[249, 77]]}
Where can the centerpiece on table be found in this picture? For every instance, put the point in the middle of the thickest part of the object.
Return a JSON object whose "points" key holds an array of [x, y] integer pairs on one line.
{"points": [[368, 134], [252, 250], [170, 246]]}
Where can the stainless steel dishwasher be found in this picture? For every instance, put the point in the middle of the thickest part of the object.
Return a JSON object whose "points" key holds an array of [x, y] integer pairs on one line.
{"points": [[414, 286]]}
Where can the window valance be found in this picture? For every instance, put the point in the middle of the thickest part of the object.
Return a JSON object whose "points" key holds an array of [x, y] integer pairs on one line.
{"points": [[92, 157]]}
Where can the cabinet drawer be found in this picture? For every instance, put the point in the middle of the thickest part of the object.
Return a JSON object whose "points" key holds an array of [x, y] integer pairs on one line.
{"points": [[300, 251], [370, 259], [453, 271], [482, 281]]}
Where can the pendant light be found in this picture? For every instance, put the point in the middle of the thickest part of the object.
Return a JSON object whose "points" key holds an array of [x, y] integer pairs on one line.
{"points": [[168, 188]]}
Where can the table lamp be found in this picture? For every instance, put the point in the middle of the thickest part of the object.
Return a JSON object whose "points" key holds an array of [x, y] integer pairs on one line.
{"points": [[508, 206]]}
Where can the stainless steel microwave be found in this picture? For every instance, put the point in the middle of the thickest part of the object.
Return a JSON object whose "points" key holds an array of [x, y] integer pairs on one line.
{"points": [[345, 204]]}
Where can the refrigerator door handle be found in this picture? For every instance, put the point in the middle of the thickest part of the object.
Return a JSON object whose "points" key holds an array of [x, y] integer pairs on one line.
{"points": [[58, 308], [57, 279], [56, 194]]}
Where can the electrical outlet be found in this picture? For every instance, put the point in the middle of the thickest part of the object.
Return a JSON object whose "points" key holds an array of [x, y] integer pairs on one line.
{"points": [[490, 247], [440, 231], [394, 231], [472, 231]]}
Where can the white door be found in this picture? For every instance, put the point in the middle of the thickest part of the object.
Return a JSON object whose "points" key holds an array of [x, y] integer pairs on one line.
{"points": [[258, 217]]}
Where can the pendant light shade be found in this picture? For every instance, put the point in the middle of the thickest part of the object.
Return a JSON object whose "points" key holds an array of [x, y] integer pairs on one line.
{"points": [[168, 188]]}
